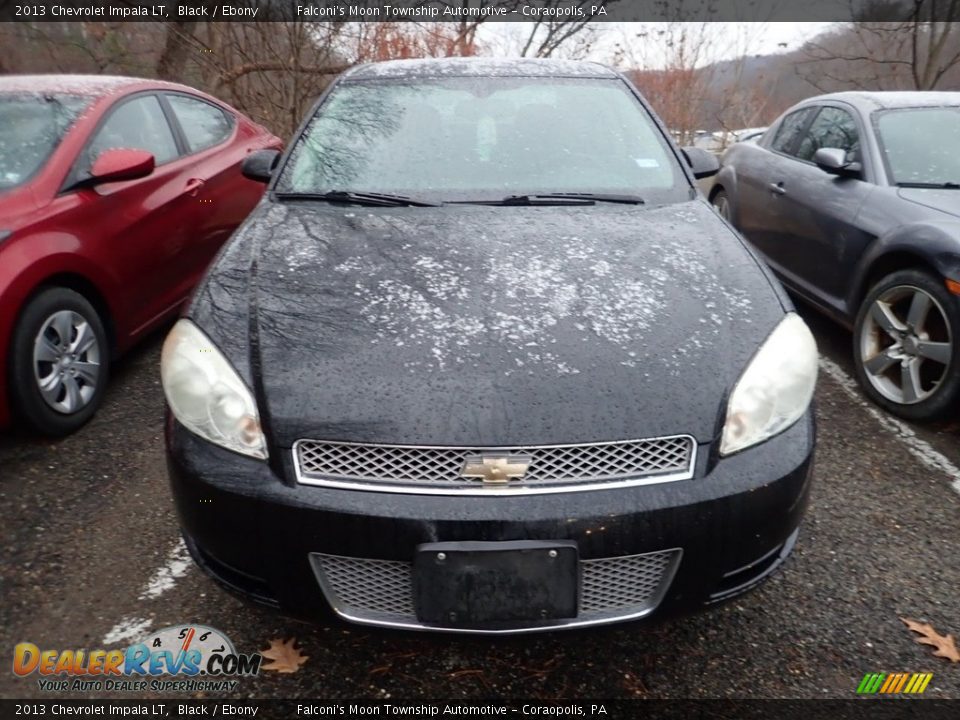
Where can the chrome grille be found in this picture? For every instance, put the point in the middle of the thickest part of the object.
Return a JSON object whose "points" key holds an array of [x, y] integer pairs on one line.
{"points": [[382, 588], [380, 592], [553, 468], [618, 584]]}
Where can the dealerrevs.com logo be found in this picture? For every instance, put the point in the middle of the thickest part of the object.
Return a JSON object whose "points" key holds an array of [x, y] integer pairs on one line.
{"points": [[195, 653]]}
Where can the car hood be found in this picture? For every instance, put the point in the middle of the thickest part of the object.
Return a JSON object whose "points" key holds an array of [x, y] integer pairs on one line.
{"points": [[487, 326], [947, 201]]}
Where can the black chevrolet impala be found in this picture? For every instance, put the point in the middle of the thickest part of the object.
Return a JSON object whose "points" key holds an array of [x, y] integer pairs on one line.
{"points": [[483, 360]]}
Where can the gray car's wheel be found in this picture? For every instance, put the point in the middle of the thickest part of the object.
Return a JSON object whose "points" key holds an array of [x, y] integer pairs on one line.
{"points": [[722, 203], [58, 362], [906, 345]]}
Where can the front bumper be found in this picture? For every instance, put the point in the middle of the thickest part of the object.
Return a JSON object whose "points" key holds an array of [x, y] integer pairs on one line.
{"points": [[308, 550]]}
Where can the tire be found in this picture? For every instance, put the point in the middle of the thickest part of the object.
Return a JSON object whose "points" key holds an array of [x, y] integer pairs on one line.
{"points": [[40, 355], [721, 201], [906, 346]]}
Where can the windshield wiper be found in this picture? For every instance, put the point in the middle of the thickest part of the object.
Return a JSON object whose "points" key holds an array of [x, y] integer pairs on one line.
{"points": [[573, 198], [940, 186], [598, 197], [359, 198]]}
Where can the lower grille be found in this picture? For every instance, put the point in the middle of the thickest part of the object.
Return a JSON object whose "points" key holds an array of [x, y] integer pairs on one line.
{"points": [[380, 592]]}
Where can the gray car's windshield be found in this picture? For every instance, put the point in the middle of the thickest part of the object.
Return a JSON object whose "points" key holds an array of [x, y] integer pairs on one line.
{"points": [[31, 128], [483, 139], [921, 146]]}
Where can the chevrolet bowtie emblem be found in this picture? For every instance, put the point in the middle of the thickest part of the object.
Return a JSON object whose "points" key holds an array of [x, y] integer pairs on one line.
{"points": [[495, 469]]}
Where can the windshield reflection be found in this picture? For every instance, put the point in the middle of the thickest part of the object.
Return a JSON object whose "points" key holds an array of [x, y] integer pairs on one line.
{"points": [[31, 128], [469, 138]]}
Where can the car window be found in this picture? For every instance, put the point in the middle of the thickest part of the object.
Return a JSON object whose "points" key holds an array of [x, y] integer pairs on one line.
{"points": [[31, 127], [789, 130], [203, 124], [473, 138], [138, 124], [832, 128], [921, 145]]}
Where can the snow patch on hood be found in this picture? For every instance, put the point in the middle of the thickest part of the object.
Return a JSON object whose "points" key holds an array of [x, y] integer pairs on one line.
{"points": [[453, 310]]}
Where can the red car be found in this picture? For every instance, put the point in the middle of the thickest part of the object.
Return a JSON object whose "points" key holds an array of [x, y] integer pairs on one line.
{"points": [[115, 194]]}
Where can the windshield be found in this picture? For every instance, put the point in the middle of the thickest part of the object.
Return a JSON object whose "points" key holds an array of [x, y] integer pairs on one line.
{"points": [[921, 145], [31, 127], [475, 139]]}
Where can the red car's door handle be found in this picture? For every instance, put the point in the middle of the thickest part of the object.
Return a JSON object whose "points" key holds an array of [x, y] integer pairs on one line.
{"points": [[778, 188], [194, 186]]}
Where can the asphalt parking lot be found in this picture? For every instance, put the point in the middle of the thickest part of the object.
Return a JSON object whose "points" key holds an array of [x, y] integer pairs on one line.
{"points": [[92, 559]]}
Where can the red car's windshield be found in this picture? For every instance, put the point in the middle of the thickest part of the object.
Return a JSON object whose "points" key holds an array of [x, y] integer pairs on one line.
{"points": [[31, 127]]}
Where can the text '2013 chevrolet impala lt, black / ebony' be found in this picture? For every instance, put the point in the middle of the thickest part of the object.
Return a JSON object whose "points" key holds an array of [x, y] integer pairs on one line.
{"points": [[483, 360]]}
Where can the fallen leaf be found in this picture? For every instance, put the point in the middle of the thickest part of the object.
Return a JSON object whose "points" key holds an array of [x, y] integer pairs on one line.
{"points": [[944, 644], [284, 657]]}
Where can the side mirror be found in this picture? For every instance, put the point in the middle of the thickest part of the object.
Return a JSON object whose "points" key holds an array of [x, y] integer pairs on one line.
{"points": [[258, 166], [834, 162], [121, 164], [703, 163]]}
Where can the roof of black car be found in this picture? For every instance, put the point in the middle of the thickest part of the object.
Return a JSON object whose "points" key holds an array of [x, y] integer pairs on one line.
{"points": [[479, 67], [883, 100]]}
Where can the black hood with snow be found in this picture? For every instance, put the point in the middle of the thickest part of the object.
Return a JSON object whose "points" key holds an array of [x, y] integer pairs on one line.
{"points": [[487, 326]]}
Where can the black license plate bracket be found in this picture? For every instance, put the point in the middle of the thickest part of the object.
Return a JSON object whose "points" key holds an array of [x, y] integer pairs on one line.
{"points": [[490, 584]]}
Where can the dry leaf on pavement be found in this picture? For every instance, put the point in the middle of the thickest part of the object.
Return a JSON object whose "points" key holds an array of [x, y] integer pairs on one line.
{"points": [[944, 644], [284, 656]]}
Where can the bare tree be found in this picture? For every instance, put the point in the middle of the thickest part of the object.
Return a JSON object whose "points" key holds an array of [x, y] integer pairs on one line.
{"points": [[179, 48], [575, 36], [80, 47], [917, 49], [671, 64], [697, 75]]}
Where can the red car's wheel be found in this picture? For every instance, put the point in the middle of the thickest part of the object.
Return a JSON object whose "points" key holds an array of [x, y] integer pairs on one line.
{"points": [[59, 362]]}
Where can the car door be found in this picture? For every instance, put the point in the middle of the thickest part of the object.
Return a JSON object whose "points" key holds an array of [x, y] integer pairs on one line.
{"points": [[760, 172], [818, 236], [141, 225], [217, 142]]}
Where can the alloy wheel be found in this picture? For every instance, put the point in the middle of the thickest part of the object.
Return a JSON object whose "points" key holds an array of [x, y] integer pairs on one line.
{"points": [[905, 344], [722, 204], [66, 361]]}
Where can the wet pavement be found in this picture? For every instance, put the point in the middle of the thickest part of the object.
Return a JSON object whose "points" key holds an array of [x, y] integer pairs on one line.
{"points": [[92, 559]]}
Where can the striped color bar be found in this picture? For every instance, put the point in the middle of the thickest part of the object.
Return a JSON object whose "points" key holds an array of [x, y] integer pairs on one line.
{"points": [[894, 683]]}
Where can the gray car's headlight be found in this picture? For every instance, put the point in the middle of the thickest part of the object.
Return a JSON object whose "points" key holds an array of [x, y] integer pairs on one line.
{"points": [[205, 393], [776, 388]]}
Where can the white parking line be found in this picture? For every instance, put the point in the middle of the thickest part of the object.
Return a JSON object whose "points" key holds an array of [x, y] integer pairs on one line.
{"points": [[127, 629], [920, 449], [165, 578], [131, 628]]}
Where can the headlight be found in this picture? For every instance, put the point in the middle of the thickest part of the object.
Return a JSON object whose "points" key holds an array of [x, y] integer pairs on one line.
{"points": [[206, 395], [775, 389]]}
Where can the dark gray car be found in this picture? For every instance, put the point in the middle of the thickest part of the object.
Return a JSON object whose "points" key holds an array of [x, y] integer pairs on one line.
{"points": [[854, 201]]}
